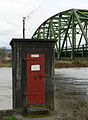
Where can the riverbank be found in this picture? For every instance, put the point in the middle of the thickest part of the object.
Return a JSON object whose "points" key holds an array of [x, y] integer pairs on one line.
{"points": [[5, 63], [71, 63], [64, 63]]}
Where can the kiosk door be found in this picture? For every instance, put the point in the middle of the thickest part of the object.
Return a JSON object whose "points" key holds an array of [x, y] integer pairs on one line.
{"points": [[35, 79]]}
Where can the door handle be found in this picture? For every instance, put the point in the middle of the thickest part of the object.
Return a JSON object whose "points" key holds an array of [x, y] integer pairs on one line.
{"points": [[40, 76]]}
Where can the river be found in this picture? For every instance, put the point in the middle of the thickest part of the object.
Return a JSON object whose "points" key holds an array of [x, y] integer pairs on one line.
{"points": [[5, 88], [71, 84]]}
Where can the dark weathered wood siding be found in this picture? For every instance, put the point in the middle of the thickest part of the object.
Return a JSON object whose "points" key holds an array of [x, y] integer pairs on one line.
{"points": [[20, 48]]}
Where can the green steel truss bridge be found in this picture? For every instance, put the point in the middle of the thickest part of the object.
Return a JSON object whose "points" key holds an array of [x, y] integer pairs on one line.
{"points": [[70, 28]]}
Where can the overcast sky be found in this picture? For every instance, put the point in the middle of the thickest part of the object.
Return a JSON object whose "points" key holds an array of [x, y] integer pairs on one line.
{"points": [[12, 11]]}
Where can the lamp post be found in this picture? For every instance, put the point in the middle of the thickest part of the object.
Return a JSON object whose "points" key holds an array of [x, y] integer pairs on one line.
{"points": [[24, 27], [25, 19]]}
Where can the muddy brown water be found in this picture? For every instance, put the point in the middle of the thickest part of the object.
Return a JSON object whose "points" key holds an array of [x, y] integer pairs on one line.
{"points": [[71, 84]]}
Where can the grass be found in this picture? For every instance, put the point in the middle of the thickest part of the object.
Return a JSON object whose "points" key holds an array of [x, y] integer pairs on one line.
{"points": [[5, 63], [71, 63], [10, 118], [35, 116]]}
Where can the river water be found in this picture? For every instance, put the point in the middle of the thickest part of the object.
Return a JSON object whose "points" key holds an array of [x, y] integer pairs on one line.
{"points": [[71, 84], [5, 88]]}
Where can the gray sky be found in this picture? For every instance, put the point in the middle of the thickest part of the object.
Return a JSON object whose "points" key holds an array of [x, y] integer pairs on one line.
{"points": [[12, 11]]}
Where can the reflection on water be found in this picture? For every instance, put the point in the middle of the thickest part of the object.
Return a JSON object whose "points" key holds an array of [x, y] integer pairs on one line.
{"points": [[71, 85]]}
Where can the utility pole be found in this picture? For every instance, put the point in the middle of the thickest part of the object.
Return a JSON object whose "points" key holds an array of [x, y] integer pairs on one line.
{"points": [[25, 19]]}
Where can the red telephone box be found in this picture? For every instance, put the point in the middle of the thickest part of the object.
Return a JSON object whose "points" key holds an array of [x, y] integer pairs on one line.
{"points": [[35, 79]]}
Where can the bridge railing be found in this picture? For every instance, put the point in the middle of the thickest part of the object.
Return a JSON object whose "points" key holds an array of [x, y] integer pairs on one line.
{"points": [[81, 50], [82, 47]]}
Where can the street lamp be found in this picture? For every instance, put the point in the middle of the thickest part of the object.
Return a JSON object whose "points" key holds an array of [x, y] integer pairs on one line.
{"points": [[24, 27], [25, 19]]}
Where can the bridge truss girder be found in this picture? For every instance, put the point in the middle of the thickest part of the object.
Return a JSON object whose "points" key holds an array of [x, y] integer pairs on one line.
{"points": [[70, 28]]}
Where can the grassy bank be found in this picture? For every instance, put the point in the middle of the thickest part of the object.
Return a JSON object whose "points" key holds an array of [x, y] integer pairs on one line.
{"points": [[5, 63], [64, 63], [67, 63]]}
